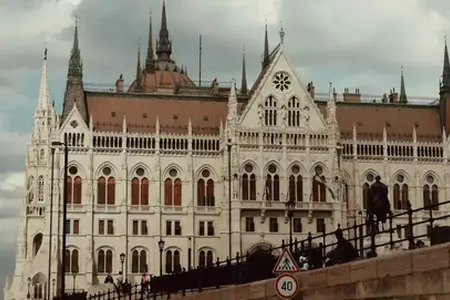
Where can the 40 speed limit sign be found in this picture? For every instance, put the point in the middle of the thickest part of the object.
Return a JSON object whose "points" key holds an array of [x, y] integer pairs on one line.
{"points": [[286, 286]]}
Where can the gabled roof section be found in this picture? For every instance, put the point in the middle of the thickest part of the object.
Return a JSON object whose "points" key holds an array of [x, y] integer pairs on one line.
{"points": [[264, 70], [266, 92]]}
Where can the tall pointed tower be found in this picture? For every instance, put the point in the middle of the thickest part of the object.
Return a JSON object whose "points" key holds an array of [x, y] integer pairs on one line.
{"points": [[33, 235], [444, 93], [74, 95]]}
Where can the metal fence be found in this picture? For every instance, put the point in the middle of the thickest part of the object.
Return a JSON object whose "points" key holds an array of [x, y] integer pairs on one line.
{"points": [[258, 266]]}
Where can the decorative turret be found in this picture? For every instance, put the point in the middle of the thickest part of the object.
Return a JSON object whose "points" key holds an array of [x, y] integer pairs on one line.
{"points": [[266, 54], [150, 61], [138, 87], [164, 44], [74, 95], [445, 85], [403, 98], [244, 89]]}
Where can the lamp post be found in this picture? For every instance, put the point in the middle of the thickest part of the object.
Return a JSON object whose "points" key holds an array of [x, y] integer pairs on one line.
{"points": [[29, 283], [290, 208], [229, 199], [122, 259], [64, 217], [74, 275], [161, 249], [53, 286], [52, 179]]}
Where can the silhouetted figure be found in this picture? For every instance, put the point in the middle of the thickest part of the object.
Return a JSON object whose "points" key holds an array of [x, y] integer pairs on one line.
{"points": [[109, 279], [377, 205], [344, 251]]}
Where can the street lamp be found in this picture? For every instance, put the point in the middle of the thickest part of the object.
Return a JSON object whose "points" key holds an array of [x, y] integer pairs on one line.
{"points": [[122, 259], [74, 275], [290, 208], [161, 249], [64, 217], [29, 283]]}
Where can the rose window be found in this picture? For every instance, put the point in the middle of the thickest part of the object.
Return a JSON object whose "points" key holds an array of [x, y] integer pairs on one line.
{"points": [[282, 82]]}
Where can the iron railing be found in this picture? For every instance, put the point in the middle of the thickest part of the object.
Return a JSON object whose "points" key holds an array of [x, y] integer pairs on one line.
{"points": [[259, 266]]}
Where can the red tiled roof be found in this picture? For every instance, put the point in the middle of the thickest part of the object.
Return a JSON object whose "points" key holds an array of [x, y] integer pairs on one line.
{"points": [[369, 119], [174, 112]]}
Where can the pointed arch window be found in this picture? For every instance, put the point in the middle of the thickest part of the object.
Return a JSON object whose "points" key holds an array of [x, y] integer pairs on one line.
{"points": [[173, 189], [295, 184], [104, 261], [248, 183], [431, 192], [106, 188], [319, 185], [400, 193], [72, 259], [140, 188], [293, 116], [173, 264], [272, 191], [270, 111], [368, 181], [74, 186], [138, 261], [205, 189], [41, 183], [30, 189], [38, 291], [37, 243]]}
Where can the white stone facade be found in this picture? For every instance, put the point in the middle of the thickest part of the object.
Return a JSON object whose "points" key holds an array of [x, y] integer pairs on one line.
{"points": [[260, 146]]}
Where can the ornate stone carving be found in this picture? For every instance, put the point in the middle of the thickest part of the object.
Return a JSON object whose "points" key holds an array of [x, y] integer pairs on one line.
{"points": [[260, 112], [263, 215], [306, 113], [283, 113], [310, 216]]}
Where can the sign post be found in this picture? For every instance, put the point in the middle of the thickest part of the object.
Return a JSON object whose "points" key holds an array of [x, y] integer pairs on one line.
{"points": [[286, 284]]}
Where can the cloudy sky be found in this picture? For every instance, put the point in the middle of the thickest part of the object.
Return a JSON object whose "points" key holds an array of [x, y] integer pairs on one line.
{"points": [[353, 43]]}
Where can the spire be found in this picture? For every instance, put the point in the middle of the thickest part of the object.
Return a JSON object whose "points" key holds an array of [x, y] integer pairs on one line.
{"points": [[164, 45], [138, 69], [282, 34], [446, 68], [44, 102], [403, 98], [75, 63], [149, 61], [244, 89], [266, 49]]}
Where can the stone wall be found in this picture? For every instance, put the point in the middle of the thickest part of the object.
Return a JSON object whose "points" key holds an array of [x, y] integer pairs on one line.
{"points": [[419, 274]]}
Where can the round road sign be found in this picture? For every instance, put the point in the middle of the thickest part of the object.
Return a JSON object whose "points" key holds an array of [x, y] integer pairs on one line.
{"points": [[286, 286]]}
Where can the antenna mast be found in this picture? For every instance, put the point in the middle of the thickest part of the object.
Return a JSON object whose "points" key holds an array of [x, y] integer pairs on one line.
{"points": [[200, 61]]}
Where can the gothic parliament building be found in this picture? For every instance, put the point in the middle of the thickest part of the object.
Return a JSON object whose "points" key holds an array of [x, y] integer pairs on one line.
{"points": [[208, 169]]}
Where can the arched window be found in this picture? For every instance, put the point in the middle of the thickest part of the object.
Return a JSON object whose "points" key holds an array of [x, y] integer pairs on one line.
{"points": [[173, 264], [30, 189], [270, 111], [72, 259], [205, 189], [272, 184], [205, 258], [295, 184], [293, 112], [106, 188], [400, 193], [431, 192], [74, 186], [368, 181], [37, 243], [319, 185], [248, 183], [105, 261], [138, 261], [173, 189], [41, 188], [38, 291], [140, 188]]}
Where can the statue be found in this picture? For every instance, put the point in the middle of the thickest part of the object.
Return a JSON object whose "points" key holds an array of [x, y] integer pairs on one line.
{"points": [[377, 205], [260, 112], [306, 113]]}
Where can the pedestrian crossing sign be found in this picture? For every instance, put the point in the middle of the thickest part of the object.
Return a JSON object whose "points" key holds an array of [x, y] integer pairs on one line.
{"points": [[286, 263]]}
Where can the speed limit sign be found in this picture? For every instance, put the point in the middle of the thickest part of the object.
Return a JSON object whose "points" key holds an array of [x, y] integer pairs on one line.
{"points": [[286, 286]]}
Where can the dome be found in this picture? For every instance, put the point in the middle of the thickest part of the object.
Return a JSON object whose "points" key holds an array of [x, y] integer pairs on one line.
{"points": [[166, 75]]}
